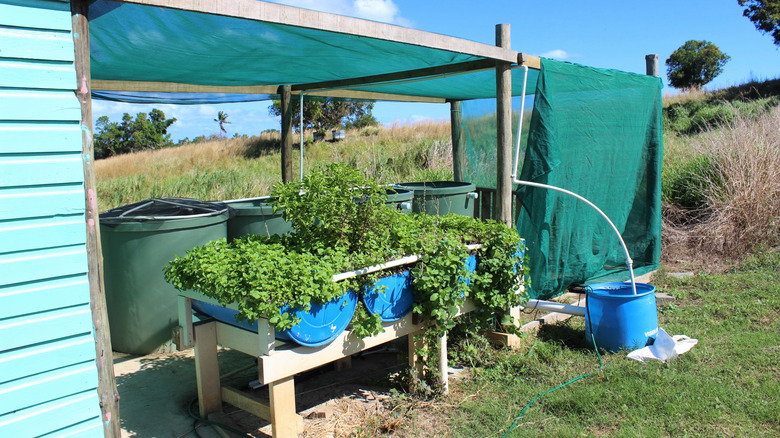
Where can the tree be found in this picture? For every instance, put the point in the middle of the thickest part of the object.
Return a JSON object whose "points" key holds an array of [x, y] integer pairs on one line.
{"points": [[132, 135], [695, 64], [765, 15], [327, 113], [222, 120]]}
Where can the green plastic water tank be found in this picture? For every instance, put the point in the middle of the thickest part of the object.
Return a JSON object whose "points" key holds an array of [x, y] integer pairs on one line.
{"points": [[138, 241], [255, 216], [443, 197], [400, 198]]}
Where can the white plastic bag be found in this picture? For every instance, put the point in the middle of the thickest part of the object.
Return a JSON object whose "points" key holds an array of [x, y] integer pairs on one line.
{"points": [[664, 348]]}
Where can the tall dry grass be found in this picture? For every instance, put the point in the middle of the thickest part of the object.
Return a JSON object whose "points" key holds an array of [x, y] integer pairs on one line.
{"points": [[249, 167], [742, 191]]}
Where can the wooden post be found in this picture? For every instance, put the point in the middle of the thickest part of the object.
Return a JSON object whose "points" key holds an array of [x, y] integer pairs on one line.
{"points": [[503, 203], [651, 65], [285, 93], [444, 367], [285, 422], [207, 369], [107, 392], [458, 153]]}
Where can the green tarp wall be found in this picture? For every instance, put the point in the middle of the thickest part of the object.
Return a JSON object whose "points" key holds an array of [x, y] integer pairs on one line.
{"points": [[599, 134]]}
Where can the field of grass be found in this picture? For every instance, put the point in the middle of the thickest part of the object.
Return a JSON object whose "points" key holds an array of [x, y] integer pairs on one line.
{"points": [[726, 386], [249, 167]]}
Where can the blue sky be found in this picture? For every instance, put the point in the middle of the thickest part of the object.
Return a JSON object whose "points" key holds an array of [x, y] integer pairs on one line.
{"points": [[608, 34]]}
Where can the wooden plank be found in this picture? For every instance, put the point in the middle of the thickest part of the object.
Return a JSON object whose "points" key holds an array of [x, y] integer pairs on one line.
{"points": [[43, 327], [531, 61], [40, 137], [46, 201], [41, 233], [207, 369], [36, 44], [38, 105], [285, 422], [246, 402], [39, 358], [35, 14], [87, 429], [503, 201], [396, 76], [51, 416], [40, 388], [34, 170], [42, 264], [245, 341], [43, 296], [288, 361], [171, 87], [185, 337], [176, 87], [292, 16], [37, 74]]}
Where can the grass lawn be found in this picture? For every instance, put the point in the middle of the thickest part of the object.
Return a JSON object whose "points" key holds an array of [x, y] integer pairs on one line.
{"points": [[727, 385]]}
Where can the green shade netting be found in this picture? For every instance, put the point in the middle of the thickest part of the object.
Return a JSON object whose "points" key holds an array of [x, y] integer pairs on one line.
{"points": [[597, 133], [138, 43]]}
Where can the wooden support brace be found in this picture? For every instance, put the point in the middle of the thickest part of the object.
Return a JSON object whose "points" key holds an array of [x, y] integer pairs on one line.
{"points": [[285, 422], [207, 369]]}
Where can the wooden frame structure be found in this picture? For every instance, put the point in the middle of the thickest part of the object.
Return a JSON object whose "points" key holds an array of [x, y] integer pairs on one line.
{"points": [[278, 362], [281, 410]]}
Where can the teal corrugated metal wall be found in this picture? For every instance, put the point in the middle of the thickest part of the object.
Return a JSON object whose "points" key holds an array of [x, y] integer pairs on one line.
{"points": [[48, 376]]}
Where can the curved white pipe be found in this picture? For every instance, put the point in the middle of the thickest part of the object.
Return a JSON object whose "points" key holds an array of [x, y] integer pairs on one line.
{"points": [[629, 261]]}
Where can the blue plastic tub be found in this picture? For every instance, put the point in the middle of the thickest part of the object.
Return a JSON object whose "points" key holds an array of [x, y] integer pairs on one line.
{"points": [[319, 326], [619, 319], [395, 301]]}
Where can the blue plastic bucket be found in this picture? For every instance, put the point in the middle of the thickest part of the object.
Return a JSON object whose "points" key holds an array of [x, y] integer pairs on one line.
{"points": [[319, 326], [395, 301], [618, 318]]}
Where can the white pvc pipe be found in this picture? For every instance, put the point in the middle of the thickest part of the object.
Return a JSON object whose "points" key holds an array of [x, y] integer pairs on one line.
{"points": [[629, 261], [552, 306]]}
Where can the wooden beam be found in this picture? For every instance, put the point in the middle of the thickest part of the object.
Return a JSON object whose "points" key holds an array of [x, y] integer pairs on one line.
{"points": [[370, 95], [531, 61], [107, 392], [246, 402], [503, 202], [176, 87], [287, 132], [461, 67], [292, 16], [458, 152]]}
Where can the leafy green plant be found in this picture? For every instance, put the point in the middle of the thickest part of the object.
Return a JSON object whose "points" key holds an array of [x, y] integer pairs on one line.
{"points": [[342, 223]]}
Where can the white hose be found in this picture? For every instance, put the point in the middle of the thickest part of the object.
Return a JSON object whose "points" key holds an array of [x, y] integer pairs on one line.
{"points": [[629, 261]]}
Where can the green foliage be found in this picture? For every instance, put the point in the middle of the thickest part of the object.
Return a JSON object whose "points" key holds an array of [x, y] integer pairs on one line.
{"points": [[323, 114], [765, 15], [695, 64], [699, 116], [342, 223], [687, 185], [222, 121], [132, 135]]}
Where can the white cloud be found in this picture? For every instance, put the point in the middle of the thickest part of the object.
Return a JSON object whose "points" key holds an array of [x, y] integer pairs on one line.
{"points": [[385, 11], [557, 54]]}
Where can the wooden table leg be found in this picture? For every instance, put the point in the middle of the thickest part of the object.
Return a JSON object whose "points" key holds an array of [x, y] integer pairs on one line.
{"points": [[285, 422], [207, 369]]}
